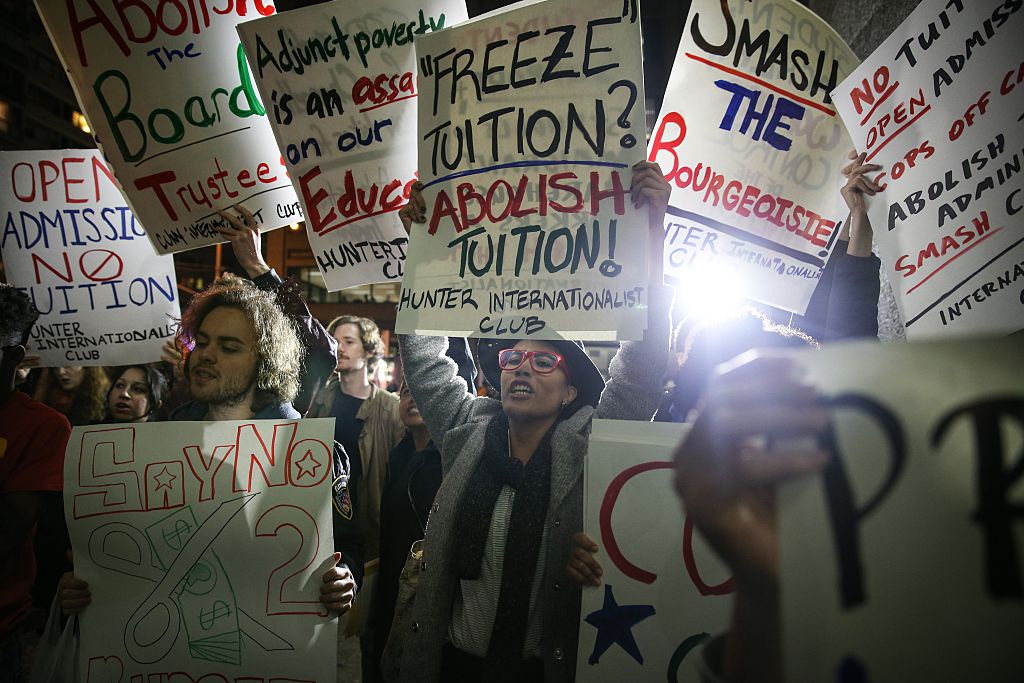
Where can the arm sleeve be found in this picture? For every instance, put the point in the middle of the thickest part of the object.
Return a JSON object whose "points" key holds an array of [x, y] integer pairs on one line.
{"points": [[634, 388], [433, 378], [321, 347], [853, 300], [347, 539], [41, 468]]}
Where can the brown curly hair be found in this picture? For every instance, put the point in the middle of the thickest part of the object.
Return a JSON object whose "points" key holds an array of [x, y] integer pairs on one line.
{"points": [[369, 334], [278, 349]]}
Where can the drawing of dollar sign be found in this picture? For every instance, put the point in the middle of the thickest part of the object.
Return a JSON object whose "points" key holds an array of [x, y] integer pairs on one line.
{"points": [[209, 617]]}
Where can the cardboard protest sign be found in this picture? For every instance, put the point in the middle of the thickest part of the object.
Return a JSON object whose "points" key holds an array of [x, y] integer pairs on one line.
{"points": [[339, 79], [900, 562], [70, 242], [529, 122], [167, 90], [938, 106], [750, 141], [203, 544], [663, 591]]}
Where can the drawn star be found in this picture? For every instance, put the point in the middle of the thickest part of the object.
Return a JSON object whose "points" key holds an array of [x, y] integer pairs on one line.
{"points": [[614, 624], [163, 479], [308, 465]]}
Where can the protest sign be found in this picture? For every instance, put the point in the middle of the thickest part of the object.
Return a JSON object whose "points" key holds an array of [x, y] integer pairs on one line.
{"points": [[340, 81], [900, 562], [529, 121], [194, 534], [751, 144], [70, 242], [663, 591], [937, 105], [167, 90]]}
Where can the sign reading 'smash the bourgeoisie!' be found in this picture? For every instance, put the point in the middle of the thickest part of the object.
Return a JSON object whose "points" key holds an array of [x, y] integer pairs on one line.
{"points": [[530, 120], [167, 90], [73, 245]]}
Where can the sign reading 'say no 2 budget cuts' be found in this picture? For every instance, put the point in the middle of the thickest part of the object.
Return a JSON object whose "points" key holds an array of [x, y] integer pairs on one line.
{"points": [[750, 141], [167, 90], [339, 80], [529, 122], [73, 246], [938, 106]]}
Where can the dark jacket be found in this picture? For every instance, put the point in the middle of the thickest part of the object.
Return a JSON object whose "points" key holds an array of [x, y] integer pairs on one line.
{"points": [[410, 486], [347, 539]]}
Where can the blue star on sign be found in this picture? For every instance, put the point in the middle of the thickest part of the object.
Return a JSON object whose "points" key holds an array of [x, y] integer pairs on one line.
{"points": [[614, 624]]}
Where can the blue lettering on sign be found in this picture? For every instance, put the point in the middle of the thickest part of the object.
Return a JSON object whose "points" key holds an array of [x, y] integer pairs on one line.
{"points": [[767, 120]]}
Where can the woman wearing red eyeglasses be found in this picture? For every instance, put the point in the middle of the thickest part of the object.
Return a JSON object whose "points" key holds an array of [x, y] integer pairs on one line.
{"points": [[494, 602]]}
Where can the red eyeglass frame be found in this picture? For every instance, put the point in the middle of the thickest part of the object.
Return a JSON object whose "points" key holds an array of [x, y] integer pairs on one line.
{"points": [[529, 355]]}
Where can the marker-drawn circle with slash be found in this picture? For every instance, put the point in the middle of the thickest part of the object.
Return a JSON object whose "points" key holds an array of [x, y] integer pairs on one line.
{"points": [[100, 265]]}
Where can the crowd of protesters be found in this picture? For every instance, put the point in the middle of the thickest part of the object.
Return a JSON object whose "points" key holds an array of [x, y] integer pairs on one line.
{"points": [[484, 486]]}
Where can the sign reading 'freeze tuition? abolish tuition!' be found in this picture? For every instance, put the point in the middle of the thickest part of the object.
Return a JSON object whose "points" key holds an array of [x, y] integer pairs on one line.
{"points": [[167, 90], [529, 122]]}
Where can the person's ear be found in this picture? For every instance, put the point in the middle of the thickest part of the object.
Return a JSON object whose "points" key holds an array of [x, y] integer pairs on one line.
{"points": [[17, 352], [570, 395]]}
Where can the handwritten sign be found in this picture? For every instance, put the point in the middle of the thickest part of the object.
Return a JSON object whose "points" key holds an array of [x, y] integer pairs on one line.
{"points": [[529, 122], [663, 592], [168, 92], [345, 118], [207, 542], [70, 242], [901, 562], [938, 106], [750, 142]]}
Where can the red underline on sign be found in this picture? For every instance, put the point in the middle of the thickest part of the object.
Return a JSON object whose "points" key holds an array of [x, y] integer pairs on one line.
{"points": [[384, 104], [879, 101], [766, 84], [358, 218], [524, 164], [899, 130], [955, 257]]}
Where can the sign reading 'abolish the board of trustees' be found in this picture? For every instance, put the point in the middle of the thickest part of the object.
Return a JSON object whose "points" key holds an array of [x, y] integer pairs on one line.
{"points": [[529, 123], [167, 90]]}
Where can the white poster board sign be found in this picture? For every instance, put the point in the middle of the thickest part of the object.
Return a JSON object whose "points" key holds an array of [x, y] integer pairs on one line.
{"points": [[938, 106], [663, 592], [529, 122], [901, 562], [750, 141], [346, 123], [203, 544], [71, 243], [168, 93]]}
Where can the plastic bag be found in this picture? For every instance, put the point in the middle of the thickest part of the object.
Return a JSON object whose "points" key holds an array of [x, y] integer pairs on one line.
{"points": [[56, 656]]}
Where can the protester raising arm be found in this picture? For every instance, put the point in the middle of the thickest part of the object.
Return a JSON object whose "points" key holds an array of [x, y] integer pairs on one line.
{"points": [[853, 298], [750, 435], [321, 348]]}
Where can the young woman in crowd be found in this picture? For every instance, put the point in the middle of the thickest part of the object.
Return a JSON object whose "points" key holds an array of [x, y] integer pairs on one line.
{"points": [[493, 602], [137, 392], [79, 393]]}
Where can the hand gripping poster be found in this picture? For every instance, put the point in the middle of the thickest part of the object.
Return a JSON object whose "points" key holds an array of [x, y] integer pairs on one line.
{"points": [[530, 120], [902, 560], [168, 92], [339, 80], [203, 544], [72, 244], [939, 107], [749, 139], [663, 592]]}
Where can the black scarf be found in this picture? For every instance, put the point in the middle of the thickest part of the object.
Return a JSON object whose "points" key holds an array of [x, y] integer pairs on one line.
{"points": [[532, 484]]}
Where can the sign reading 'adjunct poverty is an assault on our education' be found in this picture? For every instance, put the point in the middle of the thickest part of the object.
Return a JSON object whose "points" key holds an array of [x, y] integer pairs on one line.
{"points": [[70, 242], [938, 106], [339, 80], [529, 122], [204, 544], [750, 141], [167, 90]]}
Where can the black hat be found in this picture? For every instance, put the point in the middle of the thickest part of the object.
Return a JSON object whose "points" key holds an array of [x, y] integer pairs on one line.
{"points": [[585, 376]]}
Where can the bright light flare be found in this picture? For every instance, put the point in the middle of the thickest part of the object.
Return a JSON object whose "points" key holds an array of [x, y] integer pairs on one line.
{"points": [[709, 291]]}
